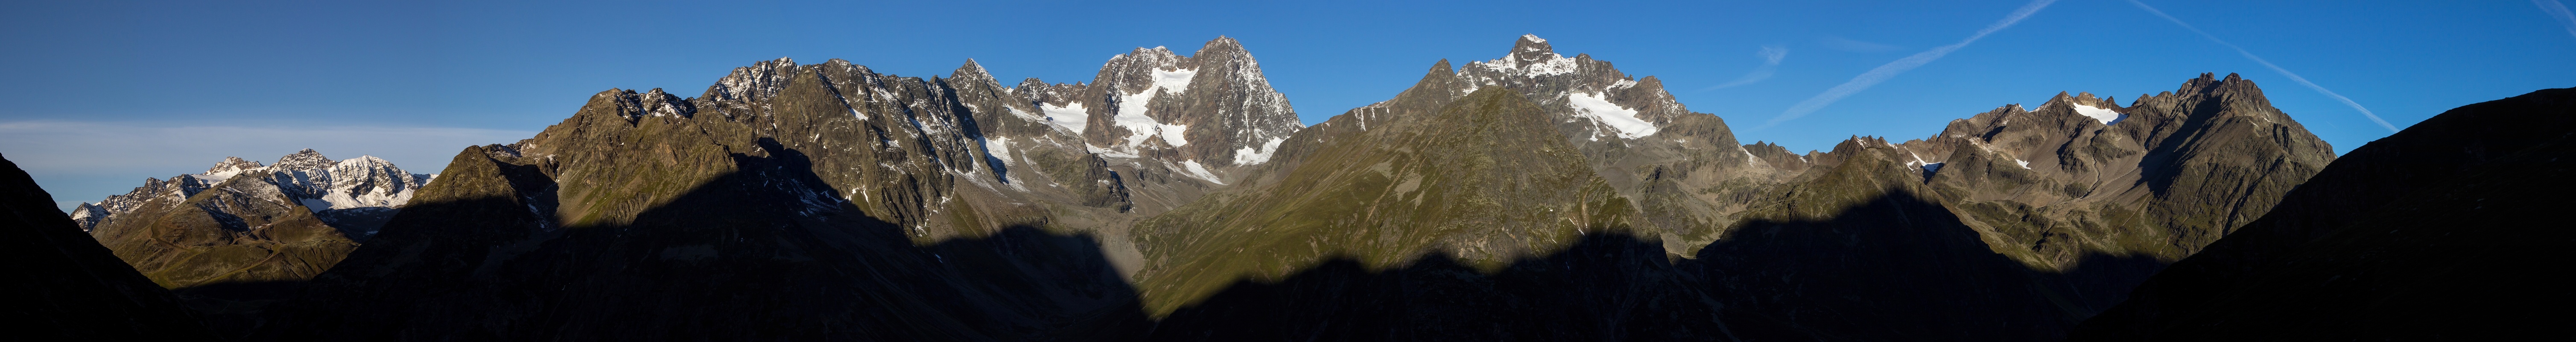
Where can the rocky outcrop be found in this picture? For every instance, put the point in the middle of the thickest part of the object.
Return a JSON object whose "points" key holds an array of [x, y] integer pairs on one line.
{"points": [[2432, 233], [64, 286]]}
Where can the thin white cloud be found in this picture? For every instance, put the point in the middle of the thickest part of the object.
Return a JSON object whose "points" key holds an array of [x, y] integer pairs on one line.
{"points": [[2558, 11], [2365, 112], [1884, 72], [86, 161], [1851, 45], [1771, 56]]}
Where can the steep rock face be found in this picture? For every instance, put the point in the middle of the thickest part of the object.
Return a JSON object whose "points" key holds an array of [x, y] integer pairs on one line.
{"points": [[2159, 178], [239, 236], [1194, 114], [66, 287], [2431, 233]]}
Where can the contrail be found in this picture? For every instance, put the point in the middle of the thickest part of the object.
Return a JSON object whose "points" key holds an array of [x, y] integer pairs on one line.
{"points": [[2268, 64], [1883, 72], [1771, 56], [2558, 11]]}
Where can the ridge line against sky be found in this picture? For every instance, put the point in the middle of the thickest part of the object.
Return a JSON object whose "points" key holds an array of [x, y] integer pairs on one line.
{"points": [[1891, 69], [2558, 11], [2374, 118]]}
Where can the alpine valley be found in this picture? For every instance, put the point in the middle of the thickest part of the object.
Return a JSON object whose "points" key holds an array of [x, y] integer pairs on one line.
{"points": [[1177, 197]]}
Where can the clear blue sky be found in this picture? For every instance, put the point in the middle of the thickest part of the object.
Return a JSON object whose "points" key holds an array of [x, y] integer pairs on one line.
{"points": [[101, 94]]}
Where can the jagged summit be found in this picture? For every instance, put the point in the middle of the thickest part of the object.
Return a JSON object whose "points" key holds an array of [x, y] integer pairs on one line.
{"points": [[305, 177], [234, 164], [302, 160], [1531, 49], [971, 72]]}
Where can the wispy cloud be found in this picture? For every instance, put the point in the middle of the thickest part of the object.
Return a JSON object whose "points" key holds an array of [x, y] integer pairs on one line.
{"points": [[1771, 56], [1851, 45], [2558, 11], [2365, 112], [85, 161], [1884, 72]]}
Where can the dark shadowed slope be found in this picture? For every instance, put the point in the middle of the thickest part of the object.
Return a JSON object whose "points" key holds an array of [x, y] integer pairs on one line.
{"points": [[64, 286], [747, 254], [2451, 229]]}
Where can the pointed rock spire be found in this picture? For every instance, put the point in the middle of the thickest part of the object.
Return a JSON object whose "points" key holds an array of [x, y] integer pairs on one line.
{"points": [[1532, 49], [971, 72]]}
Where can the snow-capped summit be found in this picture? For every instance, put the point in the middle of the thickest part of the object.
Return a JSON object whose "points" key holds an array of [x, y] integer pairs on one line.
{"points": [[334, 190], [1586, 91], [1197, 115]]}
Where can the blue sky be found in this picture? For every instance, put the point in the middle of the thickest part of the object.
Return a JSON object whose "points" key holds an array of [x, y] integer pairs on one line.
{"points": [[102, 94]]}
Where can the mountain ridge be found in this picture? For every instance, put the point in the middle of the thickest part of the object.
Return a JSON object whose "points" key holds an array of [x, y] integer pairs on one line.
{"points": [[1185, 179]]}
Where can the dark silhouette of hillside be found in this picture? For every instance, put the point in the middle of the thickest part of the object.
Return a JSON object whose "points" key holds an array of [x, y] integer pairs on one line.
{"points": [[2434, 233], [1898, 268], [62, 285]]}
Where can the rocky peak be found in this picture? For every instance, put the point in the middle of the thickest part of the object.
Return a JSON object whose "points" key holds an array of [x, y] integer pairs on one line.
{"points": [[88, 215], [973, 73], [1531, 49], [753, 83], [1196, 114], [306, 159], [233, 164]]}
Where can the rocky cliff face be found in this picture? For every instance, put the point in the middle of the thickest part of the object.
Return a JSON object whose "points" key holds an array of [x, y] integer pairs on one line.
{"points": [[2431, 233], [66, 287], [2159, 178]]}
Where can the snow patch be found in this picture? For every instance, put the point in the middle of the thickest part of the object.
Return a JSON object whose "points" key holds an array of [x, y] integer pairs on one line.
{"points": [[1194, 170], [1176, 135], [1619, 118], [1131, 110], [1025, 115], [1177, 80], [1928, 167], [1249, 156], [999, 150], [2105, 115], [1072, 117]]}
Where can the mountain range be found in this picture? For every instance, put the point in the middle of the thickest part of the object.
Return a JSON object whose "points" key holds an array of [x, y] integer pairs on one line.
{"points": [[1529, 197]]}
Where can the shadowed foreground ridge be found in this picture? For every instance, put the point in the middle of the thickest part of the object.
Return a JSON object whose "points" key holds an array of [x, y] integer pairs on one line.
{"points": [[702, 267], [64, 286], [2436, 232]]}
